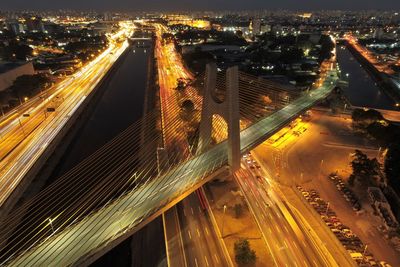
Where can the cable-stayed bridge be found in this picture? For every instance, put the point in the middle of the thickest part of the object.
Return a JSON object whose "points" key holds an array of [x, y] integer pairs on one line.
{"points": [[132, 179]]}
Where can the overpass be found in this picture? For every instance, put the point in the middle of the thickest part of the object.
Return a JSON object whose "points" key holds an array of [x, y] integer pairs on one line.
{"points": [[80, 241]]}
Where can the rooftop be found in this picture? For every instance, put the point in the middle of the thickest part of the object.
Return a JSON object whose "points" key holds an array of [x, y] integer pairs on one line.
{"points": [[7, 66]]}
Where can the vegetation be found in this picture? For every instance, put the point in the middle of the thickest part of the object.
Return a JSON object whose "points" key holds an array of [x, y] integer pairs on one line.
{"points": [[238, 210], [16, 51], [327, 46], [188, 105], [392, 166], [211, 37], [244, 255], [364, 169], [387, 135], [29, 85]]}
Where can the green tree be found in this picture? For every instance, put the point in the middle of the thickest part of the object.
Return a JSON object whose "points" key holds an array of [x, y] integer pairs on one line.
{"points": [[29, 85], [16, 51], [362, 118], [244, 255], [238, 210], [364, 169], [392, 166]]}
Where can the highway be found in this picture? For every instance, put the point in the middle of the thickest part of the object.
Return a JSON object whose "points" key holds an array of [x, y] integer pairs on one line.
{"points": [[200, 239], [25, 138], [84, 237], [191, 238], [284, 237]]}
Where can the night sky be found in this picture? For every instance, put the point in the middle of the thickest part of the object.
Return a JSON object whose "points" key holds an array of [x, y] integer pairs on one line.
{"points": [[182, 5]]}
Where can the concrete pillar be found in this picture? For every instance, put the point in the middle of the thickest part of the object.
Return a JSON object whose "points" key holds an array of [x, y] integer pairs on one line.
{"points": [[232, 117], [228, 109]]}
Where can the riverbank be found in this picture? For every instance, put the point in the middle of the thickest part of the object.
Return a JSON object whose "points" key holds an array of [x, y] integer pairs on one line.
{"points": [[383, 81], [362, 90], [33, 182]]}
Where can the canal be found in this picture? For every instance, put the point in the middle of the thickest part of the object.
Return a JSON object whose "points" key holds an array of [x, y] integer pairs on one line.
{"points": [[362, 90], [120, 104]]}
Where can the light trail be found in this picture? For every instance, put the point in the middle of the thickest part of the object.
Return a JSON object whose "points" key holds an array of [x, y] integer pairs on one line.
{"points": [[25, 139]]}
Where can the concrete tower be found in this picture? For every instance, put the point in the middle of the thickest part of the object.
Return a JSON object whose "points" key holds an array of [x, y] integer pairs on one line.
{"points": [[228, 109]]}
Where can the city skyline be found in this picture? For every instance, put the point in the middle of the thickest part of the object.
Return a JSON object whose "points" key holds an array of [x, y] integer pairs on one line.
{"points": [[179, 5], [255, 137]]}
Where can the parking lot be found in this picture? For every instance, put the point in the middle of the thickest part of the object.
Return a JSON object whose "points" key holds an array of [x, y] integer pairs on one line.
{"points": [[353, 244], [308, 160]]}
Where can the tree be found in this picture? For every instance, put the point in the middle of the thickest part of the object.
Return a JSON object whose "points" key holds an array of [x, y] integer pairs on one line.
{"points": [[188, 105], [327, 45], [364, 169], [238, 210], [363, 117], [243, 253], [16, 51], [29, 85], [392, 166]]}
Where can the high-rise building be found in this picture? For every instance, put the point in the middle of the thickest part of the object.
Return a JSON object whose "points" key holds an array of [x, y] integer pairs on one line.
{"points": [[15, 26], [34, 24], [255, 26]]}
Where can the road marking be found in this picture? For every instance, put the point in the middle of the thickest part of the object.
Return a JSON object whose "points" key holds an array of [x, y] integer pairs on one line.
{"points": [[304, 243], [195, 261], [287, 231], [198, 232], [315, 263], [284, 241], [207, 231], [277, 228], [305, 263], [190, 236], [295, 245], [270, 231], [216, 258], [205, 257], [192, 210]]}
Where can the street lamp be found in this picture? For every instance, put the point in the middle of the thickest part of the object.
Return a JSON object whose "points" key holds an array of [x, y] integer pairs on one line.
{"points": [[22, 127], [223, 222], [320, 167], [51, 224]]}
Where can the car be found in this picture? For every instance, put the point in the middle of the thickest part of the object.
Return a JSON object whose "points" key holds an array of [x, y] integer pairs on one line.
{"points": [[305, 193]]}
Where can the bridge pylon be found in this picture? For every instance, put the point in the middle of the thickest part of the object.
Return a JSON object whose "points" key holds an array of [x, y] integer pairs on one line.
{"points": [[227, 109]]}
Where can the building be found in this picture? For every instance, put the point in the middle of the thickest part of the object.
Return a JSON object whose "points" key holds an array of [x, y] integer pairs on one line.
{"points": [[255, 26], [34, 24], [265, 28], [15, 26], [378, 33], [9, 71]]}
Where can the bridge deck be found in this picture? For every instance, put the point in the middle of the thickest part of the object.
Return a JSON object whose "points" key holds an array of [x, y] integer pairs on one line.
{"points": [[97, 230]]}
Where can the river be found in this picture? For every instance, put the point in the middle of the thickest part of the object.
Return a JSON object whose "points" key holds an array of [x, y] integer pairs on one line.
{"points": [[362, 90], [120, 104]]}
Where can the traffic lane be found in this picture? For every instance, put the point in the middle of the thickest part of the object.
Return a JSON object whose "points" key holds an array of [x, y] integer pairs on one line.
{"points": [[213, 251], [174, 242], [298, 242], [190, 236], [309, 243], [269, 227]]}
